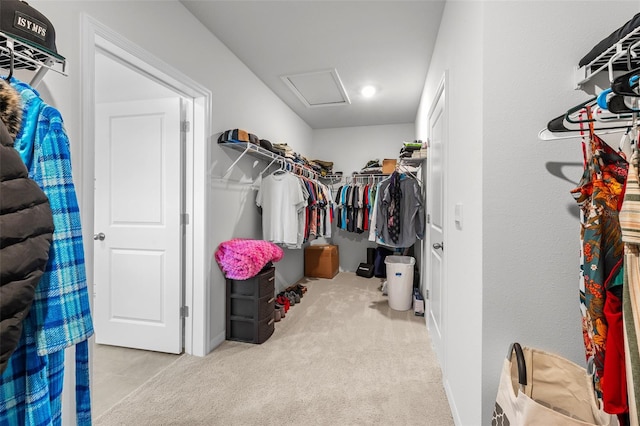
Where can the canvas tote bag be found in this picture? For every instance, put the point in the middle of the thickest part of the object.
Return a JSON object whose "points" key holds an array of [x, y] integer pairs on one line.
{"points": [[540, 388]]}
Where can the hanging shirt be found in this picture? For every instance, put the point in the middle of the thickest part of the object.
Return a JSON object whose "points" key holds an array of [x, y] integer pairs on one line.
{"points": [[411, 214], [630, 228], [345, 207], [360, 209], [373, 227], [281, 198], [302, 216], [391, 202], [328, 217]]}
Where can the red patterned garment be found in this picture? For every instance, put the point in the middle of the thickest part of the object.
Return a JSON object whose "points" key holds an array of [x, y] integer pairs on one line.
{"points": [[599, 196]]}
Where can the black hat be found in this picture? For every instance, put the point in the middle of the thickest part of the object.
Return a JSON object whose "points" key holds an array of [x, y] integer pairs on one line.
{"points": [[27, 25], [266, 144]]}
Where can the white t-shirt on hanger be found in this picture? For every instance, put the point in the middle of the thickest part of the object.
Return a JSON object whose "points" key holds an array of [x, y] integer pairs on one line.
{"points": [[281, 199]]}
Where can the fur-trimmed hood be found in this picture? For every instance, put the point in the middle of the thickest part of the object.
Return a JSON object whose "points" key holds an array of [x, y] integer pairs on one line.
{"points": [[10, 108]]}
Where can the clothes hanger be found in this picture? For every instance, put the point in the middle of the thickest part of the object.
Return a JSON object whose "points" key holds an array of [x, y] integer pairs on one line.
{"points": [[597, 113], [626, 84], [281, 169], [619, 104], [557, 129], [559, 124], [11, 64], [613, 58], [605, 116], [621, 85]]}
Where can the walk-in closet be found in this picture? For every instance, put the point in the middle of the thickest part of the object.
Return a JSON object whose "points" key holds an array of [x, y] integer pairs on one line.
{"points": [[354, 212]]}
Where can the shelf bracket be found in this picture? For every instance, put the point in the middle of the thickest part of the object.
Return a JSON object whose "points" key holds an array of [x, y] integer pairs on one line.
{"points": [[39, 75], [237, 160], [270, 164]]}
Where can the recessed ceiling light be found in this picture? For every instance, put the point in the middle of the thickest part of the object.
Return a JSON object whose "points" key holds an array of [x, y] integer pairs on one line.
{"points": [[368, 91]]}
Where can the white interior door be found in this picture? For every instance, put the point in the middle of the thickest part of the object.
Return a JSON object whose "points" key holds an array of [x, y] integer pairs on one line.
{"points": [[435, 224], [138, 250]]}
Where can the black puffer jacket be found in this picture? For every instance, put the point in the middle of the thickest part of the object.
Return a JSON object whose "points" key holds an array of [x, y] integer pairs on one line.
{"points": [[26, 228]]}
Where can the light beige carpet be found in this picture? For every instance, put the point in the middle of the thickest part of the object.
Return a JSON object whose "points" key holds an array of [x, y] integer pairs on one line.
{"points": [[340, 357]]}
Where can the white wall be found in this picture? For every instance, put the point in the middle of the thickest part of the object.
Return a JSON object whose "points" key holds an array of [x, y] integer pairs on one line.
{"points": [[512, 270], [350, 148], [168, 31], [459, 53], [531, 229]]}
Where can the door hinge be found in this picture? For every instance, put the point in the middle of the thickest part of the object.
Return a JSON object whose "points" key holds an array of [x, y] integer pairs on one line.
{"points": [[426, 294], [184, 218], [428, 218], [185, 126], [184, 311]]}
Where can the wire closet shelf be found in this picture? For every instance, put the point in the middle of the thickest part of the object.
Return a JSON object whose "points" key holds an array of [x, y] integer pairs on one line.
{"points": [[25, 56], [256, 151], [614, 55]]}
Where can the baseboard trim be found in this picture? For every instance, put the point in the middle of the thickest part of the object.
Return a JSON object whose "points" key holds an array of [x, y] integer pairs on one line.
{"points": [[216, 341], [452, 403]]}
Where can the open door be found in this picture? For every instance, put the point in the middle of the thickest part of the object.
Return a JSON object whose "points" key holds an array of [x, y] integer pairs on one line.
{"points": [[138, 231]]}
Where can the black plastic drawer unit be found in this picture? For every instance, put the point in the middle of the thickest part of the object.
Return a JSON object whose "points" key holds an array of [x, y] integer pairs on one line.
{"points": [[250, 308], [259, 286], [250, 330]]}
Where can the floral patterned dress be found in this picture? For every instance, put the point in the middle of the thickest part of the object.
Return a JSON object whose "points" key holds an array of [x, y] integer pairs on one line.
{"points": [[599, 196]]}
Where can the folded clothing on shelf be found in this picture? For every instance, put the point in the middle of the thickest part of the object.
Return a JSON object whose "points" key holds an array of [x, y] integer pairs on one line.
{"points": [[324, 168]]}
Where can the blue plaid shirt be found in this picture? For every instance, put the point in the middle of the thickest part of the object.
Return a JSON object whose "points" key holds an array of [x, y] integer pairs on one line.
{"points": [[31, 386]]}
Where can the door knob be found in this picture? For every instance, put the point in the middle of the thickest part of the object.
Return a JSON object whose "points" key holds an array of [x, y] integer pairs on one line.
{"points": [[99, 236], [439, 246]]}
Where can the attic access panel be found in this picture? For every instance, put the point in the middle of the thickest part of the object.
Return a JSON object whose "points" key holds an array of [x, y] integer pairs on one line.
{"points": [[318, 88]]}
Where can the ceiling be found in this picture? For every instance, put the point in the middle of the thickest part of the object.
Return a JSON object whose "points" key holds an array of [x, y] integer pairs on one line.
{"points": [[387, 44]]}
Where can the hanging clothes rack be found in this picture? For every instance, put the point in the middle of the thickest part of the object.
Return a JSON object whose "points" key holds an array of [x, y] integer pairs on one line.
{"points": [[16, 54], [368, 177]]}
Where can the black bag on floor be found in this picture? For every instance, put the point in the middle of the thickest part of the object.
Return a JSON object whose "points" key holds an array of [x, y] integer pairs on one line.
{"points": [[365, 270]]}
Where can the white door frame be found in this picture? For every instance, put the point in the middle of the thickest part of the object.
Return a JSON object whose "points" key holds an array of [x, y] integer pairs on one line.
{"points": [[96, 35]]}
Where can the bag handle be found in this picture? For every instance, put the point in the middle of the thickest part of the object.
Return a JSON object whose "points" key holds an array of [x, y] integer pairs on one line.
{"points": [[522, 367]]}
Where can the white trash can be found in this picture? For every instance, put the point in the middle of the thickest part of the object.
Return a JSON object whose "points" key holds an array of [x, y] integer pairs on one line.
{"points": [[400, 281]]}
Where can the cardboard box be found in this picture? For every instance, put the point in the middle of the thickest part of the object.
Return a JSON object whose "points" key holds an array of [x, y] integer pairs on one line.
{"points": [[321, 261], [388, 165]]}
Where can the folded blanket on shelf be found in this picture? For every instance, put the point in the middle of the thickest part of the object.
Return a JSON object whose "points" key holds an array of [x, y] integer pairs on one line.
{"points": [[240, 259]]}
